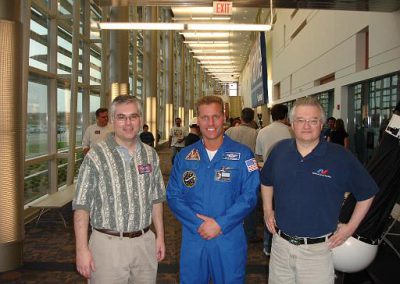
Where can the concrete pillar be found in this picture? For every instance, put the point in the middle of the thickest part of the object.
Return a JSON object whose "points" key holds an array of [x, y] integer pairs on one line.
{"points": [[151, 71], [12, 131], [119, 53]]}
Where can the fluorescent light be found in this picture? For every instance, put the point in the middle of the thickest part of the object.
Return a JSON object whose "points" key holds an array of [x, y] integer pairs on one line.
{"points": [[206, 42], [210, 45], [186, 26], [210, 57], [228, 27], [198, 51], [141, 26], [191, 10], [204, 35], [214, 62]]}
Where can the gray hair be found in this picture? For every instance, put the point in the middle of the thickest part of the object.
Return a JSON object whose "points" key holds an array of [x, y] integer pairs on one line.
{"points": [[125, 99], [308, 101]]}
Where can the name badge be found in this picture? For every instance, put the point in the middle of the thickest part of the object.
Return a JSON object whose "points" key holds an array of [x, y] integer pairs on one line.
{"points": [[223, 175], [97, 132], [144, 169]]}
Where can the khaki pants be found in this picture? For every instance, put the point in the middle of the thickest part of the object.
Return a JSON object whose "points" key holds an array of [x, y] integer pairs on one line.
{"points": [[123, 260], [302, 264]]}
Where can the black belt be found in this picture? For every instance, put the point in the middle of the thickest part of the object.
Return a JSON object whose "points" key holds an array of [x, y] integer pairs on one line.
{"points": [[302, 240], [125, 234]]}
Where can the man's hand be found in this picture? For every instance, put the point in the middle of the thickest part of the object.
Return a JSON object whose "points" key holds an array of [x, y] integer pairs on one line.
{"points": [[209, 229], [343, 232], [269, 219], [84, 263], [160, 249]]}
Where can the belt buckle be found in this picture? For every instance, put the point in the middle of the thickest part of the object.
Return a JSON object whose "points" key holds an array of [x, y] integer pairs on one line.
{"points": [[295, 241], [131, 235]]}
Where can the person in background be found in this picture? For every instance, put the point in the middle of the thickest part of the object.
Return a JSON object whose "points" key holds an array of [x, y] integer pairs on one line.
{"points": [[339, 134], [177, 137], [146, 136], [330, 123], [305, 179], [96, 132], [266, 139], [245, 134], [119, 192], [194, 133], [212, 187]]}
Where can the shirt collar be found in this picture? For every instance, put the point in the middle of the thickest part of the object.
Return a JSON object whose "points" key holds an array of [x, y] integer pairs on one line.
{"points": [[319, 150]]}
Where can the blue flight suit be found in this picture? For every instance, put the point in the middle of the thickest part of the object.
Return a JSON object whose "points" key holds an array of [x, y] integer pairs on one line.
{"points": [[225, 189]]}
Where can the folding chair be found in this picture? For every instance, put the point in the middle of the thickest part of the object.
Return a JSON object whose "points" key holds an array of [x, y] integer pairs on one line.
{"points": [[396, 217]]}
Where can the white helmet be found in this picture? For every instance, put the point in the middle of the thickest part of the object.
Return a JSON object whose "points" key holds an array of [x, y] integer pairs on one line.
{"points": [[353, 255]]}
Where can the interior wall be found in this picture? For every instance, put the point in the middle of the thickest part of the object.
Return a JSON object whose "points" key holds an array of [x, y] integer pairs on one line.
{"points": [[325, 45]]}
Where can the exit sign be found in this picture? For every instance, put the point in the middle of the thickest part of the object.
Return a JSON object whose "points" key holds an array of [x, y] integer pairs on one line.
{"points": [[222, 8]]}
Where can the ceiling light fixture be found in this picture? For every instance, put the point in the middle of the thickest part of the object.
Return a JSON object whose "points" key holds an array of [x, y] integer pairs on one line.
{"points": [[229, 27], [185, 27], [211, 51], [205, 35], [141, 26]]}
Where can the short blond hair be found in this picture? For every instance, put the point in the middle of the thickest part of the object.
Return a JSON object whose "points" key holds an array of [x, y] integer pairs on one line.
{"points": [[206, 100]]}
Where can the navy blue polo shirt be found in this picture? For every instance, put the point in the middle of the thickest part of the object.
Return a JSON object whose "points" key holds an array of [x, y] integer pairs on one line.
{"points": [[309, 191]]}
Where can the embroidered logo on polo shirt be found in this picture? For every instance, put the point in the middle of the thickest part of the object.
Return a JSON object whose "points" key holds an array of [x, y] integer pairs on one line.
{"points": [[322, 173]]}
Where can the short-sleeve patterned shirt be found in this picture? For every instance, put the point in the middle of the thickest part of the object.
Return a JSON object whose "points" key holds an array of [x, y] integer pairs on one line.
{"points": [[119, 194]]}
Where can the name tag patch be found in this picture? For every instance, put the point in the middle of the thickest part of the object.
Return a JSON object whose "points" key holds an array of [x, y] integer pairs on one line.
{"points": [[97, 132], [233, 156], [144, 169]]}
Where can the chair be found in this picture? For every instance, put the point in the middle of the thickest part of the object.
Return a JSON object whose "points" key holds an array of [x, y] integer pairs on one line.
{"points": [[396, 217]]}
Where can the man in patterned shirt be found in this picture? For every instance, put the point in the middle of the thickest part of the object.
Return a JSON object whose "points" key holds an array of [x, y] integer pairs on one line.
{"points": [[120, 190]]}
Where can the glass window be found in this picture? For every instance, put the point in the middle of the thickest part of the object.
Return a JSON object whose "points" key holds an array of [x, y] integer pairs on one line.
{"points": [[38, 50], [95, 67], [65, 7], [36, 181], [326, 101], [94, 105], [62, 167], [63, 113], [79, 120], [64, 53], [36, 130], [95, 17]]}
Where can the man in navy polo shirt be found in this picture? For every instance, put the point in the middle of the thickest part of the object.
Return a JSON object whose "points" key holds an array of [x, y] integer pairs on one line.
{"points": [[307, 178]]}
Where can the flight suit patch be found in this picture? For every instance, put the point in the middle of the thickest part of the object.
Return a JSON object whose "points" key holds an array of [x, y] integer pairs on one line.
{"points": [[189, 178], [193, 155]]}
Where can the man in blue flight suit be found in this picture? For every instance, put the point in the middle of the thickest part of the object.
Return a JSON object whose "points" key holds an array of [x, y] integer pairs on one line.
{"points": [[212, 187]]}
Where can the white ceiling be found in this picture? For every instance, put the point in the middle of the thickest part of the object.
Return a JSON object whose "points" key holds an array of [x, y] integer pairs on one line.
{"points": [[231, 47]]}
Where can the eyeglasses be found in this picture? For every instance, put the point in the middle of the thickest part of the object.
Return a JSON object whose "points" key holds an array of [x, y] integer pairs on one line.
{"points": [[123, 118], [302, 121]]}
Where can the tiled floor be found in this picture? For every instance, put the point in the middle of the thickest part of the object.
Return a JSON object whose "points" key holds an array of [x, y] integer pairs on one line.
{"points": [[49, 253]]}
